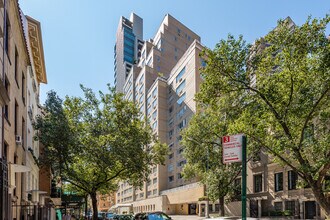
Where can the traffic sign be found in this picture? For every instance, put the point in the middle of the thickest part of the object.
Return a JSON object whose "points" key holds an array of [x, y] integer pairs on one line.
{"points": [[232, 148]]}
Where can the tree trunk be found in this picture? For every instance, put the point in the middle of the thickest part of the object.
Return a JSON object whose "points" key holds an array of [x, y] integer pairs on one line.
{"points": [[222, 206], [86, 208], [94, 204], [321, 199]]}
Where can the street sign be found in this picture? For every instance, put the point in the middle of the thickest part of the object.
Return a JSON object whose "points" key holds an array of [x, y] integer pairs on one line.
{"points": [[232, 148]]}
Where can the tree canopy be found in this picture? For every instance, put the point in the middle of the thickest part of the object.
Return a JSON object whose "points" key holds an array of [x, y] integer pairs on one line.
{"points": [[279, 89], [203, 151], [93, 143]]}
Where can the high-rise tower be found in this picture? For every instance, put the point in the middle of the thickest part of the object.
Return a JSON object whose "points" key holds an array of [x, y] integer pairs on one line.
{"points": [[127, 48]]}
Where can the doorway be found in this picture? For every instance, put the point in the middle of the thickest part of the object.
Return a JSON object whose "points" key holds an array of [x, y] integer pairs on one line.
{"points": [[310, 210], [192, 209], [254, 208]]}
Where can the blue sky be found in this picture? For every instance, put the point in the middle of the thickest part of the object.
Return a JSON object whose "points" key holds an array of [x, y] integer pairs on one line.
{"points": [[79, 35]]}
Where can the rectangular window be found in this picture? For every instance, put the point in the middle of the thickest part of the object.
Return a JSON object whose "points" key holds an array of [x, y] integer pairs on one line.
{"points": [[171, 178], [181, 73], [257, 180], [154, 115], [182, 124], [181, 99], [7, 36], [170, 156], [149, 100], [278, 206], [154, 103], [170, 167], [154, 92], [180, 87], [181, 163], [23, 132], [23, 87], [170, 133], [16, 117], [278, 182], [179, 176], [154, 125], [237, 187], [292, 180], [290, 206], [170, 122], [16, 66], [154, 191], [154, 181], [7, 112]]}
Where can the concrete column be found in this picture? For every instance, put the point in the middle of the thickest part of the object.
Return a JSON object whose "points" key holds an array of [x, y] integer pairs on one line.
{"points": [[301, 208], [259, 208], [199, 209]]}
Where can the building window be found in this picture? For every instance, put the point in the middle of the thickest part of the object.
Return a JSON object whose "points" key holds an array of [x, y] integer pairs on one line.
{"points": [[181, 99], [180, 87], [171, 178], [170, 110], [292, 180], [170, 167], [170, 133], [154, 103], [290, 206], [16, 118], [257, 180], [237, 187], [154, 191], [179, 76], [181, 163], [179, 176], [154, 181], [182, 124], [23, 87], [154, 92], [154, 125], [7, 112], [278, 182], [7, 36], [278, 206], [16, 66], [154, 115], [170, 156]]}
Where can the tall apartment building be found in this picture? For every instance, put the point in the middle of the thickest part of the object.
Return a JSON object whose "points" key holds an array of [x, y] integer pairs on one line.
{"points": [[23, 69], [129, 41], [163, 84]]}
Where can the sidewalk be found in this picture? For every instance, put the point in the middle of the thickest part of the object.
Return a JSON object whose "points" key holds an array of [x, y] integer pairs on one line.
{"points": [[186, 217]]}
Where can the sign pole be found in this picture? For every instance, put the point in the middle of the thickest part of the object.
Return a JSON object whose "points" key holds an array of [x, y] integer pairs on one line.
{"points": [[243, 177]]}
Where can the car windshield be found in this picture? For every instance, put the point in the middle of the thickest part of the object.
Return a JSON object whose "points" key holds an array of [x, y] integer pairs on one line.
{"points": [[158, 216]]}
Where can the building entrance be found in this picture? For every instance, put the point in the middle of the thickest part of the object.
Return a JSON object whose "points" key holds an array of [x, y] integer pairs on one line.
{"points": [[254, 208], [310, 210], [192, 209]]}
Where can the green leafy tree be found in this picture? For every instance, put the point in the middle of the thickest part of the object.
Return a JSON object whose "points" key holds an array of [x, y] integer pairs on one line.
{"points": [[282, 86], [93, 143], [203, 151]]}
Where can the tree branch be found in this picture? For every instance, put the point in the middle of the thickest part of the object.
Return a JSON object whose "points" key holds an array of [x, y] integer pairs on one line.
{"points": [[309, 117]]}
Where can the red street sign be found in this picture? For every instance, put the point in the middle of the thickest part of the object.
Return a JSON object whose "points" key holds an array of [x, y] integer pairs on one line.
{"points": [[232, 148]]}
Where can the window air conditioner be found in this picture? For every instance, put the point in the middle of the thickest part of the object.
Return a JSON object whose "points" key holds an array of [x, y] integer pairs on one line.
{"points": [[18, 139]]}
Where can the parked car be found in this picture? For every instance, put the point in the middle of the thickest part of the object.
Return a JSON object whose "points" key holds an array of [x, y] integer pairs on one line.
{"points": [[123, 217], [152, 216], [109, 216]]}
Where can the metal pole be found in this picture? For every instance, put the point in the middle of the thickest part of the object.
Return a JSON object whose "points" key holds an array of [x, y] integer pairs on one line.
{"points": [[243, 177]]}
